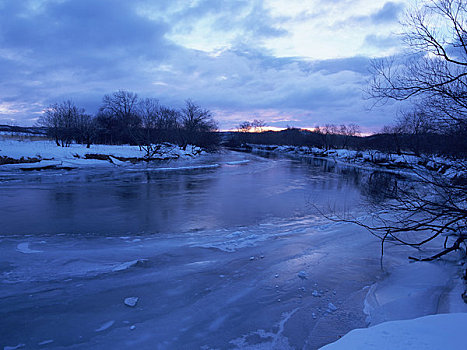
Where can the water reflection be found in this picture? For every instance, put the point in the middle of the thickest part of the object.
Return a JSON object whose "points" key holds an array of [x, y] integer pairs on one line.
{"points": [[151, 201], [380, 186]]}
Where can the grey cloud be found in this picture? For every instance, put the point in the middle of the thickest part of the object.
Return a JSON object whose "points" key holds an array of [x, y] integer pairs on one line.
{"points": [[84, 49], [382, 41], [74, 45], [248, 17], [388, 13]]}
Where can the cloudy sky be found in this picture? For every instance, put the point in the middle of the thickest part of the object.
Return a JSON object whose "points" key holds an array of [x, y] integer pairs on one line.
{"points": [[300, 63]]}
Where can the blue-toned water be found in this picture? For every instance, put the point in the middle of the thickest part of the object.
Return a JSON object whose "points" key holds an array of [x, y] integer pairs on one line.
{"points": [[227, 251], [217, 191]]}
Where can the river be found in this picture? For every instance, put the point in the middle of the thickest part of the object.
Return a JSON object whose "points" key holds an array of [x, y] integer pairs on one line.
{"points": [[225, 252]]}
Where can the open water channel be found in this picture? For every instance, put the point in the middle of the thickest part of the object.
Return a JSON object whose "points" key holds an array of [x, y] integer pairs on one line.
{"points": [[224, 252]]}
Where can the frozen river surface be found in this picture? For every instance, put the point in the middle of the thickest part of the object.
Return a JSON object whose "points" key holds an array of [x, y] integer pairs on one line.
{"points": [[225, 252]]}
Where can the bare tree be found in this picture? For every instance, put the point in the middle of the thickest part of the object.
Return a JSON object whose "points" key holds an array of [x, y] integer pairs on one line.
{"points": [[148, 135], [434, 77], [347, 132], [197, 124], [118, 114], [122, 103], [326, 132], [258, 125], [85, 129], [244, 126], [62, 120], [169, 119]]}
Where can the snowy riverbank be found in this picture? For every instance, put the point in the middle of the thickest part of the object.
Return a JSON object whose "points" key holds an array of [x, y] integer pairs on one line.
{"points": [[435, 332], [371, 159], [413, 299], [43, 154]]}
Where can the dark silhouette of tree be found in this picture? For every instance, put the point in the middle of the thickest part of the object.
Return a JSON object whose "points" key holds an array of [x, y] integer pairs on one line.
{"points": [[434, 78], [258, 125], [124, 118], [118, 116], [66, 122], [86, 129], [244, 126], [198, 125], [147, 136]]}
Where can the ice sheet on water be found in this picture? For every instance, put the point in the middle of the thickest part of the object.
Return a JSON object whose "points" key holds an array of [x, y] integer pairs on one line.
{"points": [[191, 167], [237, 239], [272, 340], [238, 162], [63, 265]]}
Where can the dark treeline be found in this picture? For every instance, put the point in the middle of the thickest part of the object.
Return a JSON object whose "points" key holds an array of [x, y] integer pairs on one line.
{"points": [[450, 142], [327, 137], [124, 118]]}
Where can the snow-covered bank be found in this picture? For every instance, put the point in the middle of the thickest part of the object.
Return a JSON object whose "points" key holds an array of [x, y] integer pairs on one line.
{"points": [[415, 289], [434, 332], [371, 159], [37, 155]]}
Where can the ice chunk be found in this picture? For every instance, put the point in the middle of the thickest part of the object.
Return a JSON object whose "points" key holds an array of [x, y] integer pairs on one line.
{"points": [[128, 264], [117, 161], [105, 326], [332, 307], [303, 275], [19, 346], [24, 248], [45, 342], [131, 301]]}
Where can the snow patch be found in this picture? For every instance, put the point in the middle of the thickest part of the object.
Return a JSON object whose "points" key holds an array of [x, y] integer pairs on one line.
{"points": [[410, 291], [434, 332]]}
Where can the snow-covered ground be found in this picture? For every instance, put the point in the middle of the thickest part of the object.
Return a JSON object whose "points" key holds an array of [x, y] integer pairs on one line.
{"points": [[434, 332], [46, 154]]}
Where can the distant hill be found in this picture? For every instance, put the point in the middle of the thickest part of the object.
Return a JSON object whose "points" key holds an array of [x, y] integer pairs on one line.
{"points": [[30, 130]]}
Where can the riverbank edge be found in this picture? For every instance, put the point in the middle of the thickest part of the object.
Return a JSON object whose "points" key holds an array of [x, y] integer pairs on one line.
{"points": [[371, 160], [30, 155]]}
